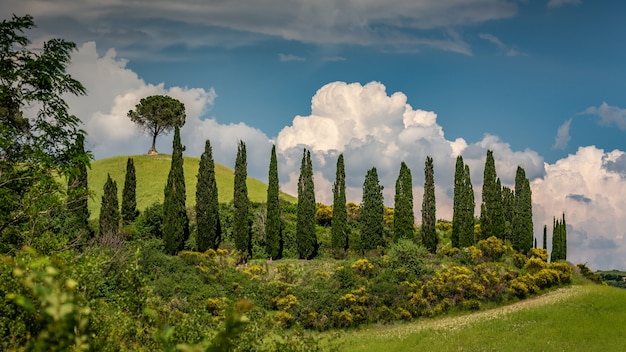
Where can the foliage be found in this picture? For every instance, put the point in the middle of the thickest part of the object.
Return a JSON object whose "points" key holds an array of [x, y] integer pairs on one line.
{"points": [[372, 211], [523, 214], [492, 221], [175, 221], [429, 218], [109, 212], [305, 228], [37, 135], [241, 222], [129, 194], [408, 260], [78, 196], [463, 208], [559, 240], [403, 217], [273, 223], [339, 237], [209, 228], [158, 114]]}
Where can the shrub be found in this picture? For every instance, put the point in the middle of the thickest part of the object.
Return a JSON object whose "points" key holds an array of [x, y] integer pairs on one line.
{"points": [[363, 268], [534, 265], [493, 248], [538, 253], [408, 259], [150, 221], [564, 270]]}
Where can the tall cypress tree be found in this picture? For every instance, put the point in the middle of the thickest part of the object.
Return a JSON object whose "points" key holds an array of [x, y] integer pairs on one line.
{"points": [[273, 228], [545, 237], [109, 211], [508, 208], [241, 223], [429, 217], [305, 227], [175, 220], [403, 216], [339, 233], [564, 239], [78, 193], [129, 194], [459, 201], [492, 221], [522, 214], [372, 212], [209, 232], [466, 235], [559, 240]]}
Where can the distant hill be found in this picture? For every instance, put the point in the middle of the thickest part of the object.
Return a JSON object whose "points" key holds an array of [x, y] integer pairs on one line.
{"points": [[152, 171]]}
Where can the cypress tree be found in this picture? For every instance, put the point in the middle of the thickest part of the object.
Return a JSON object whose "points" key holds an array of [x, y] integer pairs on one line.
{"points": [[508, 208], [545, 237], [564, 239], [429, 217], [522, 239], [559, 240], [209, 232], [492, 221], [372, 212], [78, 193], [339, 233], [175, 220], [403, 216], [273, 228], [459, 202], [129, 195], [305, 227], [109, 210], [241, 224], [466, 235]]}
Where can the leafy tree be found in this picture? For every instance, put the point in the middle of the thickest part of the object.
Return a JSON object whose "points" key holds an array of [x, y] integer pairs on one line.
{"points": [[372, 212], [339, 231], [492, 221], [78, 195], [209, 229], [463, 209], [129, 195], [305, 227], [241, 223], [273, 225], [429, 217], [158, 114], [403, 217], [109, 211], [523, 213], [175, 220], [35, 145]]}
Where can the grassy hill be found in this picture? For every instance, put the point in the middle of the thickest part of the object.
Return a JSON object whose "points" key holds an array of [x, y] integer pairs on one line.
{"points": [[584, 317], [152, 171]]}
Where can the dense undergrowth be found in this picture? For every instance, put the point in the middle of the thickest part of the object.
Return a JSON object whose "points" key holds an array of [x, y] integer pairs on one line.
{"points": [[128, 295]]}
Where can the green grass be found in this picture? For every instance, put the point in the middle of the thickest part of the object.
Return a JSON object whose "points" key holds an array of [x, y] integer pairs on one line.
{"points": [[578, 318], [151, 172]]}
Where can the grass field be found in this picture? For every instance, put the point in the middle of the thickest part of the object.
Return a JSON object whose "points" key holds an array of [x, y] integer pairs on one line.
{"points": [[151, 172], [577, 318]]}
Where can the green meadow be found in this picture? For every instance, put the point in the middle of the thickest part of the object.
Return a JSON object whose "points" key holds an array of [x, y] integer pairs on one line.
{"points": [[586, 317], [151, 172]]}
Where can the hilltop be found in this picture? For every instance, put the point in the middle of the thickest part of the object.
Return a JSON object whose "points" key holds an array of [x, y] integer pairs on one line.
{"points": [[152, 171]]}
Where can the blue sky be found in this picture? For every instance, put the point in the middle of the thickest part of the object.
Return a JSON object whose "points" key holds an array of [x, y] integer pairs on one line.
{"points": [[539, 82]]}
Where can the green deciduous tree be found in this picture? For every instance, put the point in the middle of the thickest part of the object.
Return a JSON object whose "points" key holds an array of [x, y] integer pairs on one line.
{"points": [[175, 220], [463, 208], [129, 194], [492, 221], [241, 222], [305, 227], [372, 212], [209, 228], [35, 144], [158, 114], [273, 223], [339, 231], [403, 216], [109, 221], [429, 217], [522, 237]]}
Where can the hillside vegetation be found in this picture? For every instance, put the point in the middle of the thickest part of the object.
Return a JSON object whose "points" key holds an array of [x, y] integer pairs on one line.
{"points": [[576, 318], [152, 173]]}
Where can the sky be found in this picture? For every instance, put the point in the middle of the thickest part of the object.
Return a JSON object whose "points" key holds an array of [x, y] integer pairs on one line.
{"points": [[540, 83]]}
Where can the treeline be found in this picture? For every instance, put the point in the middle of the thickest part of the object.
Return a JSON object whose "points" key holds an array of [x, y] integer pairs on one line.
{"points": [[505, 213]]}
